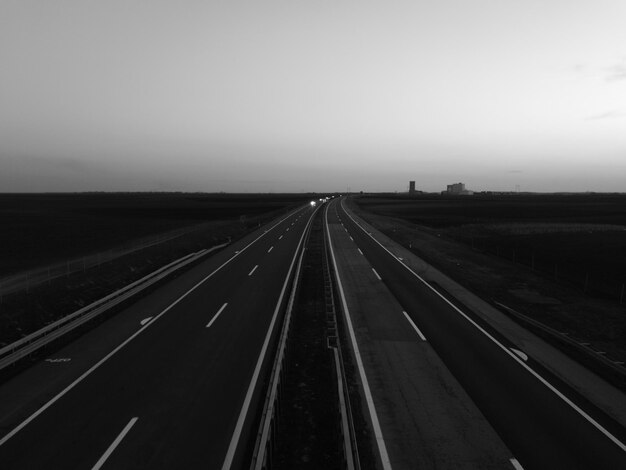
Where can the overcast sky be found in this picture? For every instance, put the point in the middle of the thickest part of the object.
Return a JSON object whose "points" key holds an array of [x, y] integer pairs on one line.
{"points": [[312, 95]]}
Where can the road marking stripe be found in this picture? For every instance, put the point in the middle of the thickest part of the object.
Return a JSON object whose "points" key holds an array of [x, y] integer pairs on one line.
{"points": [[280, 237], [287, 229], [145, 320], [511, 354], [253, 269], [234, 441], [360, 250], [351, 238], [520, 354], [115, 443], [516, 464], [59, 395], [378, 433], [271, 248], [417, 330], [216, 315], [377, 275]]}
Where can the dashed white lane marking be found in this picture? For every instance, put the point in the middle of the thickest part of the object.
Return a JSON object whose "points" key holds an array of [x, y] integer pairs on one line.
{"points": [[271, 248], [520, 353], [145, 320], [378, 433], [58, 359], [377, 275], [516, 464], [89, 371], [280, 237], [253, 269], [360, 250], [287, 229], [234, 440], [551, 387], [351, 238], [417, 330], [217, 315], [115, 443]]}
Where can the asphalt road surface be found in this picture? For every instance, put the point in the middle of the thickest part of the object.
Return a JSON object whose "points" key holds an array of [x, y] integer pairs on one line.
{"points": [[171, 382], [544, 423]]}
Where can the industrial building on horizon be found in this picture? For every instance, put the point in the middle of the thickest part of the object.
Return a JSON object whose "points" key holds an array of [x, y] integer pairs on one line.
{"points": [[457, 189]]}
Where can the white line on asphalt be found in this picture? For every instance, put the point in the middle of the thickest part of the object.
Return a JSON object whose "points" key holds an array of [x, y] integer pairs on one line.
{"points": [[287, 229], [516, 464], [280, 237], [377, 275], [351, 238], [378, 433], [115, 443], [216, 315], [145, 320], [511, 354], [271, 248], [253, 269], [417, 330], [520, 353], [360, 250], [234, 441], [53, 400]]}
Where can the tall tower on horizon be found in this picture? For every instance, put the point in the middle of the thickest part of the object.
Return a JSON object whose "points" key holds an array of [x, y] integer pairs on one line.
{"points": [[411, 188]]}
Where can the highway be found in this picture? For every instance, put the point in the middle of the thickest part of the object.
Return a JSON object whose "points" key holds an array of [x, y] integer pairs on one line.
{"points": [[544, 423], [173, 381]]}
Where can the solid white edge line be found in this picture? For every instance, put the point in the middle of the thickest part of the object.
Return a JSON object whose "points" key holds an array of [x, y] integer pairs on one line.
{"points": [[234, 441], [378, 433], [417, 330], [217, 315], [511, 354], [85, 374], [253, 269], [115, 443], [377, 275], [516, 464]]}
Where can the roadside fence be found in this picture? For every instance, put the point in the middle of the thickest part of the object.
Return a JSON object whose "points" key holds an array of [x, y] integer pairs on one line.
{"points": [[591, 281]]}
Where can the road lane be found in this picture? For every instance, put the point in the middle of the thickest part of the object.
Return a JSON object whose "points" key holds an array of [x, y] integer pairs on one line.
{"points": [[186, 382], [542, 429], [419, 415]]}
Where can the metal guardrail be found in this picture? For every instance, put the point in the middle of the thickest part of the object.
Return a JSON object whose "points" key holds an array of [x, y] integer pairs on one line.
{"points": [[25, 346], [261, 457], [616, 368], [346, 426]]}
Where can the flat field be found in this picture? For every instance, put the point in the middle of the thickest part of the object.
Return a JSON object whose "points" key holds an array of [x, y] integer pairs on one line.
{"points": [[579, 239], [39, 229], [73, 230]]}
